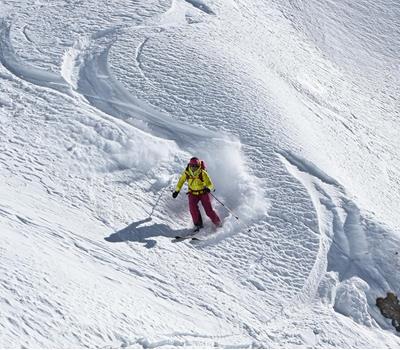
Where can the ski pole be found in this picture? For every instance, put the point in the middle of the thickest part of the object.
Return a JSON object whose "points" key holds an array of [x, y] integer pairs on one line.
{"points": [[158, 200], [234, 215]]}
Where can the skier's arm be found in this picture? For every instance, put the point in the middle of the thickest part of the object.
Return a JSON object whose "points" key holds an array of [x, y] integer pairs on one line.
{"points": [[207, 181], [181, 181]]}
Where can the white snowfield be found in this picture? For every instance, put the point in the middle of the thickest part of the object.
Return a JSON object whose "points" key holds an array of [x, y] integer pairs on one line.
{"points": [[293, 105]]}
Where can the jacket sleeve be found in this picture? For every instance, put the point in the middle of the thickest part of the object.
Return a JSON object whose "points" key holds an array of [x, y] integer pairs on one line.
{"points": [[181, 181], [207, 180]]}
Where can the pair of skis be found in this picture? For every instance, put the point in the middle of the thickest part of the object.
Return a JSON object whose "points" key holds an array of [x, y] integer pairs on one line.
{"points": [[193, 236]]}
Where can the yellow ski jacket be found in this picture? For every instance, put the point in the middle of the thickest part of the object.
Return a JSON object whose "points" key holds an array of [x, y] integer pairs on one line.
{"points": [[197, 181]]}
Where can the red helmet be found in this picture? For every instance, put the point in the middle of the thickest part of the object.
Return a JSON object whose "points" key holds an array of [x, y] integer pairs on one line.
{"points": [[194, 161]]}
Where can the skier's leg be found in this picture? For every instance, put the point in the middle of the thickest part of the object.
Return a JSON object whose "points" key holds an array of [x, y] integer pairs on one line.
{"points": [[194, 210], [206, 202]]}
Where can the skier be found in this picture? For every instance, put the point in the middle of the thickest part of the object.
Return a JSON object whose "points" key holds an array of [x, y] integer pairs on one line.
{"points": [[200, 186]]}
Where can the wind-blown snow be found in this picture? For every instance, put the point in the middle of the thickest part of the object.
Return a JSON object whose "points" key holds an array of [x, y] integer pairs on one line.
{"points": [[294, 108]]}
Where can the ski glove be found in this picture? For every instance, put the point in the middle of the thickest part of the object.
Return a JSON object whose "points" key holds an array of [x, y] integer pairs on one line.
{"points": [[175, 194], [207, 190]]}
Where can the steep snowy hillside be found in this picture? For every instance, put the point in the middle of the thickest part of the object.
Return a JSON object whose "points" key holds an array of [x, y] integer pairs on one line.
{"points": [[294, 108]]}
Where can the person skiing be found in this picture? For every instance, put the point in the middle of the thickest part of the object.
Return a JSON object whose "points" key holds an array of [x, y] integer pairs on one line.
{"points": [[200, 186]]}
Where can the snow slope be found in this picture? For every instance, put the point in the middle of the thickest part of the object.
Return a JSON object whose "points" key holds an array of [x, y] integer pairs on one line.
{"points": [[294, 108]]}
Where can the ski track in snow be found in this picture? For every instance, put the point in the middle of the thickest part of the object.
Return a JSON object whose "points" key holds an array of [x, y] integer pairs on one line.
{"points": [[349, 241], [251, 286], [24, 71], [138, 58], [201, 6]]}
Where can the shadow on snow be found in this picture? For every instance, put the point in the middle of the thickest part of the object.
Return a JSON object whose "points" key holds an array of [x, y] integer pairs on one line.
{"points": [[142, 234]]}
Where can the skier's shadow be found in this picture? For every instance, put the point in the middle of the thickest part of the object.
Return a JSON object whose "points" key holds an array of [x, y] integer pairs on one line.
{"points": [[142, 234]]}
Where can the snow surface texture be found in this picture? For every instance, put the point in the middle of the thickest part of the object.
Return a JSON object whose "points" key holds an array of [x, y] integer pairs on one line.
{"points": [[294, 107]]}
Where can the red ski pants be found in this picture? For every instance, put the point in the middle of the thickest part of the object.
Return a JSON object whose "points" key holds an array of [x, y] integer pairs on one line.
{"points": [[195, 211]]}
